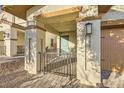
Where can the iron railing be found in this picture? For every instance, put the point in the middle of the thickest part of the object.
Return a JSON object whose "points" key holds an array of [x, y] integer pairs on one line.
{"points": [[60, 63], [2, 50]]}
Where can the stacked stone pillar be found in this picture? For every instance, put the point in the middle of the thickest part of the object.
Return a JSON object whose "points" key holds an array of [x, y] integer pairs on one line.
{"points": [[34, 46], [88, 59]]}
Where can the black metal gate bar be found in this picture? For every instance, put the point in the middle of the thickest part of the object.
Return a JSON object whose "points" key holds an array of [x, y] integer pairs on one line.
{"points": [[61, 64]]}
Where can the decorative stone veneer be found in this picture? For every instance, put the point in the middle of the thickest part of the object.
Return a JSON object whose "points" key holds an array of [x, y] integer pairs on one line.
{"points": [[89, 10], [30, 53], [32, 57], [91, 75]]}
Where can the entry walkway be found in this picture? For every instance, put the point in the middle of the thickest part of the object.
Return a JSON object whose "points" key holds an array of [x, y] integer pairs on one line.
{"points": [[50, 81], [24, 80]]}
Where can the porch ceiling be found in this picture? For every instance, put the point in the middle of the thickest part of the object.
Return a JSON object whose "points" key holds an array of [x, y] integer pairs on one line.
{"points": [[61, 22], [17, 10], [65, 20], [102, 9], [65, 26], [20, 10]]}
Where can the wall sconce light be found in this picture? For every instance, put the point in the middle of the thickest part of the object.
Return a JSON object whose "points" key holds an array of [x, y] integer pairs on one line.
{"points": [[87, 37], [6, 35], [88, 28]]}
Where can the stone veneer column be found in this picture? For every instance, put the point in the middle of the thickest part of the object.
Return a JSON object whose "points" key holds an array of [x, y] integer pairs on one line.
{"points": [[92, 75], [11, 41], [33, 38], [35, 35]]}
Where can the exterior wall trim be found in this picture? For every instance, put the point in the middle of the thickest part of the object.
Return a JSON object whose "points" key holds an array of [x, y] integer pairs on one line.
{"points": [[88, 18], [5, 22], [110, 24], [12, 24], [34, 27], [18, 26], [12, 39]]}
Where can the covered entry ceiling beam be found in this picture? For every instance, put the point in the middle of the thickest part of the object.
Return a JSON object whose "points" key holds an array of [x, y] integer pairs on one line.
{"points": [[60, 16], [60, 19], [101, 9], [60, 12]]}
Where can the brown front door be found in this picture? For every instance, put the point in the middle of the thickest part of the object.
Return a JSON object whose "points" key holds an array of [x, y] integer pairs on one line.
{"points": [[112, 48]]}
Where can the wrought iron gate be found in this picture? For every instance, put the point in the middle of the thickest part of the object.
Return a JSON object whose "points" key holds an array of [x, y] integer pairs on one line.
{"points": [[61, 64]]}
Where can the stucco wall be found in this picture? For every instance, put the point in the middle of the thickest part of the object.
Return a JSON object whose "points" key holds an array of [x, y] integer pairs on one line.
{"points": [[20, 39], [1, 39], [6, 16], [50, 36], [72, 40], [113, 15], [11, 18], [2, 49]]}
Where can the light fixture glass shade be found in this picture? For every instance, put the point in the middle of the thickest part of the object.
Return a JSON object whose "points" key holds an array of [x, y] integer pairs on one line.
{"points": [[88, 28]]}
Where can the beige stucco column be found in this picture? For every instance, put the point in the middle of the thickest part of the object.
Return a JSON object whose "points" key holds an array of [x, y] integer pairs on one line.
{"points": [[11, 41], [88, 58]]}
